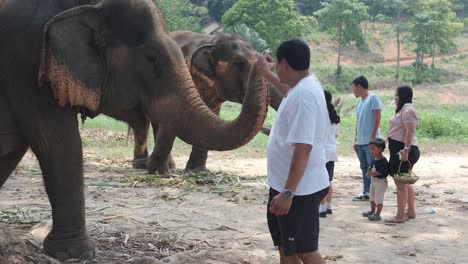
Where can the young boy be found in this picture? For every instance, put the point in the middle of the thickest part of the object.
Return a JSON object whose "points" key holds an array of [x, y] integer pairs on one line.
{"points": [[378, 172]]}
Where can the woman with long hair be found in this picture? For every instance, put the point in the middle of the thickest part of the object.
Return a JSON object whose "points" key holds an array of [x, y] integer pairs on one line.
{"points": [[404, 152], [333, 130]]}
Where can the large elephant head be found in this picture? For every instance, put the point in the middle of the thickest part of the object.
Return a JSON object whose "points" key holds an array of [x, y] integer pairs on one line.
{"points": [[117, 58], [220, 63]]}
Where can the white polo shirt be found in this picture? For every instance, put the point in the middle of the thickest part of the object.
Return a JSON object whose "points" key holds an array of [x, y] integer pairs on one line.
{"points": [[302, 117]]}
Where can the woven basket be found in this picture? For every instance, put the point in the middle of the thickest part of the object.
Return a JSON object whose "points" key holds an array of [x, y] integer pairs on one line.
{"points": [[411, 178]]}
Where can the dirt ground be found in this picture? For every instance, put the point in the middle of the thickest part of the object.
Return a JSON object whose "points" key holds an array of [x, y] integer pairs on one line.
{"points": [[135, 218]]}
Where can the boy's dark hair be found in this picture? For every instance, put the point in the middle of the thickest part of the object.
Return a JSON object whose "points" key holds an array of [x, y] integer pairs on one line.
{"points": [[362, 81], [332, 114], [296, 52], [380, 143]]}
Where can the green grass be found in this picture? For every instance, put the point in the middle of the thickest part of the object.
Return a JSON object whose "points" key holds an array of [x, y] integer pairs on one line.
{"points": [[104, 122], [439, 124]]}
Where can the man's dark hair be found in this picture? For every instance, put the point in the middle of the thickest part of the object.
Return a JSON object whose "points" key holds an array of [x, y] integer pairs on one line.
{"points": [[405, 96], [362, 81], [378, 142], [296, 52]]}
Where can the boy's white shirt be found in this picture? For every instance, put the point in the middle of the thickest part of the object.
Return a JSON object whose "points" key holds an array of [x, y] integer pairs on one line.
{"points": [[302, 117]]}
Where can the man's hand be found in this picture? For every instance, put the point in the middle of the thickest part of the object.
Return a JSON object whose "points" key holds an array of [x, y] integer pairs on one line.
{"points": [[355, 147], [262, 64], [280, 205]]}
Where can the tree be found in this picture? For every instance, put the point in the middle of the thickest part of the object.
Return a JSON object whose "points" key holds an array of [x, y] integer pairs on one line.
{"points": [[376, 7], [217, 8], [250, 36], [398, 15], [433, 25], [342, 18], [181, 14], [274, 20], [461, 8], [308, 7]]}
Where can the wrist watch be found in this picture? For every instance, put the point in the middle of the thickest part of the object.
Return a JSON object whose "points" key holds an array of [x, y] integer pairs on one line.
{"points": [[288, 194], [406, 148]]}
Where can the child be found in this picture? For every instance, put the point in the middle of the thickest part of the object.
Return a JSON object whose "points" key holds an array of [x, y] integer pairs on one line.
{"points": [[325, 204], [378, 172]]}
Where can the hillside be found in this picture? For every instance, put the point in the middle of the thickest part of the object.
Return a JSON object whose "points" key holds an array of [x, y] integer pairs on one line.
{"points": [[381, 48]]}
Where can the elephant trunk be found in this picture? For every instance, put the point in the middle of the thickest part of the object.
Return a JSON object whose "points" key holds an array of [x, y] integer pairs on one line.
{"points": [[196, 124], [276, 96]]}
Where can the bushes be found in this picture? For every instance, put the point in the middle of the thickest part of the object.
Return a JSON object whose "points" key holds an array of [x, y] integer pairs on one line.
{"points": [[433, 125]]}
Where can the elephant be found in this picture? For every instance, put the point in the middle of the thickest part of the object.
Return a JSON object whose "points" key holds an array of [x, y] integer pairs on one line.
{"points": [[115, 57], [219, 65]]}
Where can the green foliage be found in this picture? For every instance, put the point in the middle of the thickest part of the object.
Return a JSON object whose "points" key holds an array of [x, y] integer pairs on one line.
{"points": [[331, 88], [432, 26], [181, 14], [342, 18], [250, 36], [461, 8], [217, 8], [308, 7], [274, 20], [441, 124]]}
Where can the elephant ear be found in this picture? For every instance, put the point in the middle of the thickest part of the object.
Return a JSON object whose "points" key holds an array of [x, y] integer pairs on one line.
{"points": [[202, 65], [71, 63]]}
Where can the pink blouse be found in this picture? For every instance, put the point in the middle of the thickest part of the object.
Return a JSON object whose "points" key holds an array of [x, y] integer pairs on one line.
{"points": [[397, 130]]}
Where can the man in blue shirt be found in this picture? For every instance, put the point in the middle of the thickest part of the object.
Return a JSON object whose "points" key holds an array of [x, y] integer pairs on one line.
{"points": [[368, 115]]}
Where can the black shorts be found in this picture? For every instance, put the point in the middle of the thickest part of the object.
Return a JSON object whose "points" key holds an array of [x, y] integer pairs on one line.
{"points": [[298, 231], [394, 147], [331, 169]]}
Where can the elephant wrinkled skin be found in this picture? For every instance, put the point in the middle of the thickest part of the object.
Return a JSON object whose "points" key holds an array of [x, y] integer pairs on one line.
{"points": [[220, 66], [61, 57]]}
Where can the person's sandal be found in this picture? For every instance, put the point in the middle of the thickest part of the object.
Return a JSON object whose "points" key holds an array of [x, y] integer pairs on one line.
{"points": [[329, 211], [374, 217], [366, 214]]}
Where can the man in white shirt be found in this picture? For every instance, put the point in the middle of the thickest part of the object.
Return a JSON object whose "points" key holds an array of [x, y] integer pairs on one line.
{"points": [[296, 155]]}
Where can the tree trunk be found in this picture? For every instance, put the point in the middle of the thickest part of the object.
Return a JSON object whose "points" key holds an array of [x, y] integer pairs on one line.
{"points": [[398, 44], [398, 55], [338, 66], [433, 55]]}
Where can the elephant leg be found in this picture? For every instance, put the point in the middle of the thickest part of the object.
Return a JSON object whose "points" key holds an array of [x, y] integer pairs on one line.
{"points": [[59, 151], [140, 150], [197, 160], [9, 161], [161, 160], [198, 156]]}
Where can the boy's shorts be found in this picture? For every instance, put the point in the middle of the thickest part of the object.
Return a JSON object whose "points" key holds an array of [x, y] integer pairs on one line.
{"points": [[298, 231], [377, 189]]}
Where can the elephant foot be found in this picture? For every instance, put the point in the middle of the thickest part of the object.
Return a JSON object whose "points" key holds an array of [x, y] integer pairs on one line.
{"points": [[162, 168], [139, 163], [171, 163], [195, 168], [81, 248]]}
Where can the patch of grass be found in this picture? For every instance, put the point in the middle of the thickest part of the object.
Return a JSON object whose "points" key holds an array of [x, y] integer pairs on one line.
{"points": [[104, 122], [439, 123]]}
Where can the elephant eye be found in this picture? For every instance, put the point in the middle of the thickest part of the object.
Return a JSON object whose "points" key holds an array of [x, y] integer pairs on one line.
{"points": [[154, 60]]}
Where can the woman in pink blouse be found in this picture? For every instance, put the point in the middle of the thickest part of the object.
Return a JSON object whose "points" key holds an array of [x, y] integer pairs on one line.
{"points": [[403, 148]]}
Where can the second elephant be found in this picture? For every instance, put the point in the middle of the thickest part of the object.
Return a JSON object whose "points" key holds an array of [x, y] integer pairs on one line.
{"points": [[220, 66]]}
